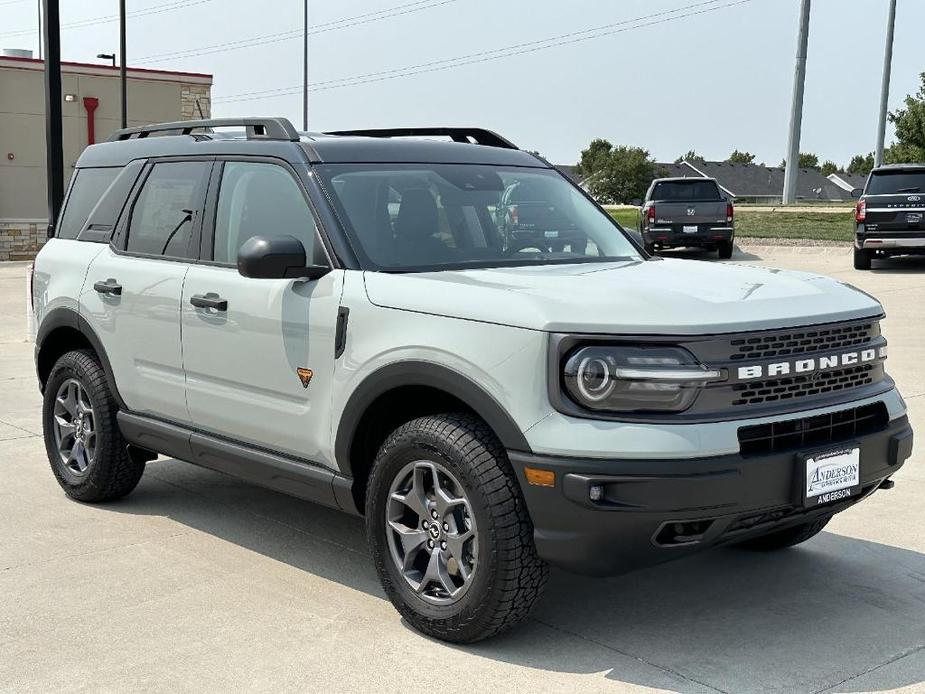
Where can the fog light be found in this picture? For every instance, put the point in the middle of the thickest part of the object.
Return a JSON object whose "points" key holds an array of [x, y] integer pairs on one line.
{"points": [[596, 493]]}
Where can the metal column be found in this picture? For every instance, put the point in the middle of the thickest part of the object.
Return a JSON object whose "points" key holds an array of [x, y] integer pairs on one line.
{"points": [[885, 85], [54, 146], [796, 114]]}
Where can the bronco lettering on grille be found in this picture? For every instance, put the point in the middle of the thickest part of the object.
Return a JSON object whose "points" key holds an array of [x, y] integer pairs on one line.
{"points": [[802, 366]]}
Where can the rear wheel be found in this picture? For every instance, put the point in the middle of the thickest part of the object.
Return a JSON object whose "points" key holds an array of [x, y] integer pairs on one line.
{"points": [[449, 532], [725, 249], [788, 537], [862, 259], [87, 453]]}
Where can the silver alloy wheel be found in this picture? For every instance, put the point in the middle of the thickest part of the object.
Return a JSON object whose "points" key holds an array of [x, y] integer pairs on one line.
{"points": [[75, 427], [431, 532]]}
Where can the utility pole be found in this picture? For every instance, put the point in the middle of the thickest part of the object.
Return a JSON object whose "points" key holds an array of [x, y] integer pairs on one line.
{"points": [[39, 4], [885, 85], [122, 63], [796, 114], [54, 147], [305, 70]]}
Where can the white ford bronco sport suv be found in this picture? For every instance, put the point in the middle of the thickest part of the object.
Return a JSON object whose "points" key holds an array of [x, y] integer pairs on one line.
{"points": [[348, 318]]}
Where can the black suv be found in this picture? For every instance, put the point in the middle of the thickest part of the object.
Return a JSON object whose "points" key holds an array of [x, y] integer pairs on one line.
{"points": [[890, 214]]}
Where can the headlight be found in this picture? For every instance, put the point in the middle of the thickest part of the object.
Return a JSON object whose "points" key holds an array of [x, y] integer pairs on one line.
{"points": [[635, 379]]}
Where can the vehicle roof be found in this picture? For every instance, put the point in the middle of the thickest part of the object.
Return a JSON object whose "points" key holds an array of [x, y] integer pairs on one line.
{"points": [[683, 179], [313, 147], [886, 168]]}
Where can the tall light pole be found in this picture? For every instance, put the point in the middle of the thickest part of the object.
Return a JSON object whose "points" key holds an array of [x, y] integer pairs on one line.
{"points": [[107, 56], [885, 85], [305, 70], [122, 79], [54, 147], [796, 113]]}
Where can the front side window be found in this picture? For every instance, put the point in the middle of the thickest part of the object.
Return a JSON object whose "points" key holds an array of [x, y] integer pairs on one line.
{"points": [[166, 209], [87, 190], [260, 199], [408, 217]]}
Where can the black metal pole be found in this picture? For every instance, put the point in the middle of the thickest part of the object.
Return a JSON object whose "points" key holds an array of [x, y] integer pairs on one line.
{"points": [[122, 63], [305, 71], [54, 146]]}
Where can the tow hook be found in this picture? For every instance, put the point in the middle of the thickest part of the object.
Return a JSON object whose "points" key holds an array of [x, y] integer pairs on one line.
{"points": [[887, 484]]}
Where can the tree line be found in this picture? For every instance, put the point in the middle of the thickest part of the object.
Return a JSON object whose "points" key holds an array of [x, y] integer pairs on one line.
{"points": [[620, 173]]}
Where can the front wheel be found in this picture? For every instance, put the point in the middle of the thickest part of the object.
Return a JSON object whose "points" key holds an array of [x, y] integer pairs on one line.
{"points": [[788, 537], [449, 532]]}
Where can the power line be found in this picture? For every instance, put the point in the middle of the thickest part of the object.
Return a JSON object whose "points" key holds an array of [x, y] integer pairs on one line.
{"points": [[153, 10], [335, 25], [496, 54]]}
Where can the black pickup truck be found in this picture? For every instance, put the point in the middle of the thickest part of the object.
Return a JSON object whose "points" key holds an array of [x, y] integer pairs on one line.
{"points": [[890, 214], [687, 212]]}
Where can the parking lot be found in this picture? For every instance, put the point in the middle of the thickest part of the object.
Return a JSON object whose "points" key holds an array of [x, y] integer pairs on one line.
{"points": [[197, 582]]}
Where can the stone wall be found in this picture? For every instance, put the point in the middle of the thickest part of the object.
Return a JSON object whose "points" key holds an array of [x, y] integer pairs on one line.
{"points": [[21, 239], [189, 94]]}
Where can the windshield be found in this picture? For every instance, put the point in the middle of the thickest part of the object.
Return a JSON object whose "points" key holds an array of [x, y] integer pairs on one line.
{"points": [[883, 183], [686, 191], [413, 217]]}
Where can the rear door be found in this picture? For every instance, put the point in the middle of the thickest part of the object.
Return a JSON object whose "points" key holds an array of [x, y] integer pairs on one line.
{"points": [[895, 202], [259, 365], [131, 296]]}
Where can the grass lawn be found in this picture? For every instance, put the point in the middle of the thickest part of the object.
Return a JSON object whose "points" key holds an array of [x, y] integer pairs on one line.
{"points": [[823, 226]]}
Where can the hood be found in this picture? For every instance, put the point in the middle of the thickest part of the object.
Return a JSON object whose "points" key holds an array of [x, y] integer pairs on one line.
{"points": [[668, 296]]}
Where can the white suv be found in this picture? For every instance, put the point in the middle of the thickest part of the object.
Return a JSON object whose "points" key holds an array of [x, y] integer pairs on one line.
{"points": [[349, 318]]}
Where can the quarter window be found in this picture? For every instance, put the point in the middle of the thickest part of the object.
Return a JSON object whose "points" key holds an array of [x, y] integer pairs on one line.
{"points": [[87, 190], [167, 208], [260, 199]]}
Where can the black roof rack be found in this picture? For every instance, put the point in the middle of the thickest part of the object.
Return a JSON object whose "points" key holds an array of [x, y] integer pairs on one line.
{"points": [[256, 128], [480, 136]]}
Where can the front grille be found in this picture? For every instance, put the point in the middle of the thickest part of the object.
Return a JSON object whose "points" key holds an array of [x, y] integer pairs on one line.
{"points": [[791, 434], [803, 341], [793, 387]]}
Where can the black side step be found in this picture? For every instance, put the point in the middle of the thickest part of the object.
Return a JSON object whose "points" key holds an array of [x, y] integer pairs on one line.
{"points": [[296, 477]]}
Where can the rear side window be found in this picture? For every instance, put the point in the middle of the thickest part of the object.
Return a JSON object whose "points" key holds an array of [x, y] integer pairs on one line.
{"points": [[261, 199], [898, 183], [167, 209], [87, 189], [686, 190]]}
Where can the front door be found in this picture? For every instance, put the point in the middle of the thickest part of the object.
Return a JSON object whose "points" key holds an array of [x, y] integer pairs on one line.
{"points": [[131, 296], [259, 354]]}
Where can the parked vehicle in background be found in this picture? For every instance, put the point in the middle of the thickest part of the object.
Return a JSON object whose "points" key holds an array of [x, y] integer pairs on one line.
{"points": [[890, 215], [533, 215], [687, 212]]}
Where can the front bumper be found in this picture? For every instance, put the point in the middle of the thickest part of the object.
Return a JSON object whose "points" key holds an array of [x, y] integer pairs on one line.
{"points": [[706, 236], [716, 500]]}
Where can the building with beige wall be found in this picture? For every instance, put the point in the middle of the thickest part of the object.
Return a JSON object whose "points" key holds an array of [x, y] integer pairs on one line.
{"points": [[91, 108]]}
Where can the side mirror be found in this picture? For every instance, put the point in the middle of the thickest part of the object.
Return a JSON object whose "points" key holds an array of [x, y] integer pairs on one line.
{"points": [[636, 202], [278, 257], [856, 193]]}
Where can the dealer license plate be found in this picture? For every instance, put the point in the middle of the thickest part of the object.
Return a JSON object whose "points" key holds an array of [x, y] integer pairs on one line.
{"points": [[832, 476], [690, 229]]}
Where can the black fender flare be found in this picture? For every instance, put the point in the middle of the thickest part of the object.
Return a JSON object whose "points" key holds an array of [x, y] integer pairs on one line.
{"points": [[65, 317], [421, 373]]}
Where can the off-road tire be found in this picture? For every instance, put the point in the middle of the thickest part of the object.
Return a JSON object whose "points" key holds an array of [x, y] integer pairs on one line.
{"points": [[788, 537], [509, 577], [725, 249], [113, 473], [862, 259]]}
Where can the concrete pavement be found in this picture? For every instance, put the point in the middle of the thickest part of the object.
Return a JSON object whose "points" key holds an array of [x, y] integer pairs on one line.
{"points": [[197, 582]]}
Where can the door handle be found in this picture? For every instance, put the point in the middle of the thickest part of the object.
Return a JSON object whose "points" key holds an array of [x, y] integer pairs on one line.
{"points": [[110, 286], [209, 301]]}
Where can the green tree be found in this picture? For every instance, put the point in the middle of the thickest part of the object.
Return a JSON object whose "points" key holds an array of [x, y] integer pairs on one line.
{"points": [[594, 157], [829, 167], [861, 164], [910, 129], [691, 156], [622, 175], [808, 160], [738, 157]]}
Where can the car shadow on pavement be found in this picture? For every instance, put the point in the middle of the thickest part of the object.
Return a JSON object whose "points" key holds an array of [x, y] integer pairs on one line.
{"points": [[900, 265], [829, 614], [700, 254]]}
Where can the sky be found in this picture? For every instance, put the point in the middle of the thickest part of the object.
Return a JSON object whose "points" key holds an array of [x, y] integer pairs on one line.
{"points": [[666, 75]]}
